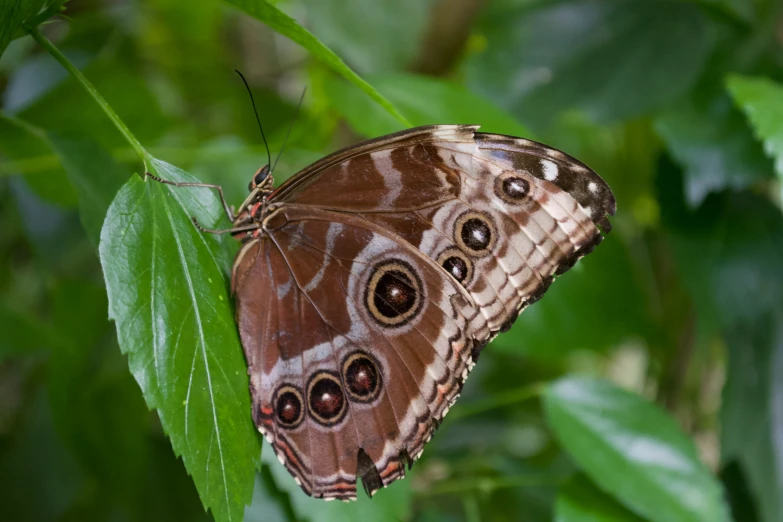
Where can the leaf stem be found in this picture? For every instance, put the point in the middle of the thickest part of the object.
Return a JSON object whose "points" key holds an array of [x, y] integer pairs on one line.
{"points": [[92, 91], [531, 391]]}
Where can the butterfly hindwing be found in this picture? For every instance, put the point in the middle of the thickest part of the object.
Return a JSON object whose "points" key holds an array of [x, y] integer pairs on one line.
{"points": [[391, 368]]}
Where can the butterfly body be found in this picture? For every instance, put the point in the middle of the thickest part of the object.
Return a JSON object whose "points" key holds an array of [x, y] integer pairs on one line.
{"points": [[368, 284]]}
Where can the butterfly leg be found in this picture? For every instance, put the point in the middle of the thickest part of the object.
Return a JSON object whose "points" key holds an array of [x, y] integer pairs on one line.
{"points": [[229, 211], [232, 230]]}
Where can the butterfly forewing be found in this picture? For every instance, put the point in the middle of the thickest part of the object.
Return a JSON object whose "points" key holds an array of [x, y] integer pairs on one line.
{"points": [[381, 273]]}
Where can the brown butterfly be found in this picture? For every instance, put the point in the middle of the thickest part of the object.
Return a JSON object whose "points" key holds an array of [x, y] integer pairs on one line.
{"points": [[368, 284]]}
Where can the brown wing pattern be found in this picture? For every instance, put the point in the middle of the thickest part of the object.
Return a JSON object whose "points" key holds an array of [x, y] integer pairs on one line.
{"points": [[410, 352], [385, 269]]}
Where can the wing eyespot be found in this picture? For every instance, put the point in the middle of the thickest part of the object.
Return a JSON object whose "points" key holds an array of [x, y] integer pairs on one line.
{"points": [[475, 234], [394, 293], [457, 264], [289, 406], [512, 189], [325, 398], [362, 376]]}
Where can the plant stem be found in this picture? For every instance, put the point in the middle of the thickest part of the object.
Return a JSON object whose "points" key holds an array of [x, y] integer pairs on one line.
{"points": [[528, 392], [92, 91]]}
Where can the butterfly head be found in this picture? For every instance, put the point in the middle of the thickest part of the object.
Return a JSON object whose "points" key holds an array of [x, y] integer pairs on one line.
{"points": [[262, 180]]}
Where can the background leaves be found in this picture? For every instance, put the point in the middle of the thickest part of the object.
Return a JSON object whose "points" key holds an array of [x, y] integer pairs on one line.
{"points": [[634, 451], [561, 56]]}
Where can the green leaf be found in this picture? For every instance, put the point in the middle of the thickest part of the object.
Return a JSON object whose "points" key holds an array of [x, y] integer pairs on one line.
{"points": [[360, 31], [15, 13], [426, 101], [287, 26], [762, 101], [94, 174], [581, 501], [613, 59], [633, 450], [711, 140], [390, 504], [168, 293]]}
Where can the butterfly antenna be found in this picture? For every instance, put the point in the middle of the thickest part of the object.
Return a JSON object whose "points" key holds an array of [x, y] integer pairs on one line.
{"points": [[291, 126], [268, 154]]}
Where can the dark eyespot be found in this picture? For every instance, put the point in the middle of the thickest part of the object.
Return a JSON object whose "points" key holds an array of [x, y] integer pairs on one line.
{"points": [[325, 398], [511, 188], [393, 294], [457, 267], [516, 188], [288, 406], [475, 233], [362, 377], [457, 264]]}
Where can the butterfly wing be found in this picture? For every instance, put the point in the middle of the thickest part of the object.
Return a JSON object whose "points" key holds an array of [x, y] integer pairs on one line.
{"points": [[356, 345], [527, 211], [386, 268]]}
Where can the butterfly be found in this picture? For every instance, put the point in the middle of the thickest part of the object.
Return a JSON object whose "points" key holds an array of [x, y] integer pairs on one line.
{"points": [[368, 284]]}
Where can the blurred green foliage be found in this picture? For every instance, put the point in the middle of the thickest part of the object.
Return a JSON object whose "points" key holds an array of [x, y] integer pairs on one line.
{"points": [[678, 104]]}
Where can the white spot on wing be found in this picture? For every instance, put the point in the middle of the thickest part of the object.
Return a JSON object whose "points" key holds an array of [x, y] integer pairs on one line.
{"points": [[592, 187], [550, 170], [331, 236], [391, 176]]}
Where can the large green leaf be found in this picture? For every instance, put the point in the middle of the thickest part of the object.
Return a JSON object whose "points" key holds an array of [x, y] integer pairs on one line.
{"points": [[168, 293], [613, 59], [581, 501], [424, 100], [360, 31], [287, 26], [634, 451], [762, 101]]}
